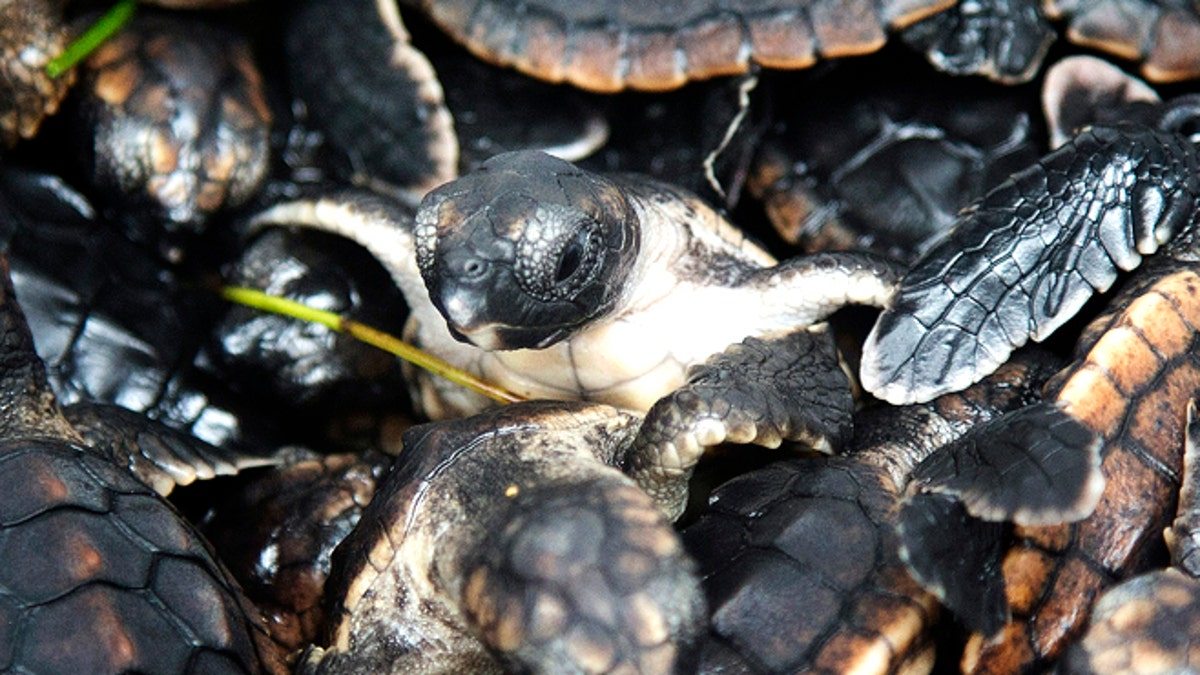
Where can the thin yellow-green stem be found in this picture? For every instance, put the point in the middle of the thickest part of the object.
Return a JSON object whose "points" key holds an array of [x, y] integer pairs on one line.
{"points": [[372, 336], [110, 22]]}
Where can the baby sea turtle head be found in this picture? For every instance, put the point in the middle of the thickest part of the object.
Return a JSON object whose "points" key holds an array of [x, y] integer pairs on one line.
{"points": [[525, 251]]}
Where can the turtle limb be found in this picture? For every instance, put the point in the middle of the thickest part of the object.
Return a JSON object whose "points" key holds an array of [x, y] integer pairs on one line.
{"points": [[1083, 90], [381, 225], [375, 96], [505, 538], [956, 557], [1033, 466], [805, 290], [761, 391], [1025, 259], [160, 456]]}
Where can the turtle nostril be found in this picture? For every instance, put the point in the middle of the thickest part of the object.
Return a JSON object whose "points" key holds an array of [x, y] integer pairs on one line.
{"points": [[471, 268]]}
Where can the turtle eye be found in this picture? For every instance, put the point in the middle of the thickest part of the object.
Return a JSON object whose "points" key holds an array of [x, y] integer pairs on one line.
{"points": [[568, 262]]}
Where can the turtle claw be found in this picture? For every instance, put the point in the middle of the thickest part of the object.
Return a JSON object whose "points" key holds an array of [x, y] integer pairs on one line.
{"points": [[759, 391], [1027, 257], [1035, 466]]}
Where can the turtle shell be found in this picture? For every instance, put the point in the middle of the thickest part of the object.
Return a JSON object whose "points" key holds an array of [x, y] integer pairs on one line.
{"points": [[178, 118], [614, 44], [883, 156]]}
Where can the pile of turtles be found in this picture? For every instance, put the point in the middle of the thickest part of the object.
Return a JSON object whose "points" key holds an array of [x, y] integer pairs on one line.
{"points": [[831, 336]]}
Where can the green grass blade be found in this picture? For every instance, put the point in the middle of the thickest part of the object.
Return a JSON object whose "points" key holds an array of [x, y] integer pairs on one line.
{"points": [[372, 336], [98, 32]]}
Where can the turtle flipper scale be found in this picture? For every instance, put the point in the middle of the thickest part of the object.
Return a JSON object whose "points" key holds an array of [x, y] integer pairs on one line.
{"points": [[1025, 259], [761, 391]]}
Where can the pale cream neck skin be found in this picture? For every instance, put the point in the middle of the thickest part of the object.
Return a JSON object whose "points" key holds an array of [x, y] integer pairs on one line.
{"points": [[631, 361]]}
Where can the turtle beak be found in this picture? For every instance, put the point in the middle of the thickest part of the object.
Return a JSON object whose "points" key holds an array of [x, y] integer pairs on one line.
{"points": [[462, 312]]}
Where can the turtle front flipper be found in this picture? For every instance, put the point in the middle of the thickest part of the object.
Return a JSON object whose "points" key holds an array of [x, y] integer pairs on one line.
{"points": [[805, 290], [1026, 258], [160, 456], [375, 96], [761, 391], [1034, 466], [381, 225], [506, 540]]}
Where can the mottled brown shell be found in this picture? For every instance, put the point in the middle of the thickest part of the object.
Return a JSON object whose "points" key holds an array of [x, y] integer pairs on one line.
{"points": [[616, 44], [181, 119], [1160, 35]]}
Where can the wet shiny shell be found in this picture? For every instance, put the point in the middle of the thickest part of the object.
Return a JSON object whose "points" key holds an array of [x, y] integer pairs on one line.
{"points": [[1161, 35], [1145, 625], [181, 122], [100, 574], [879, 156], [112, 320]]}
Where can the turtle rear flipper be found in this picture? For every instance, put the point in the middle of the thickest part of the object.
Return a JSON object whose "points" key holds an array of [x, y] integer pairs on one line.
{"points": [[160, 456], [1026, 258], [761, 391], [955, 556], [1034, 466]]}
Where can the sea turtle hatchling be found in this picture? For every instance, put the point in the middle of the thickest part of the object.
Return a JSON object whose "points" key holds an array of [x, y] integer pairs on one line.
{"points": [[555, 282], [508, 540]]}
